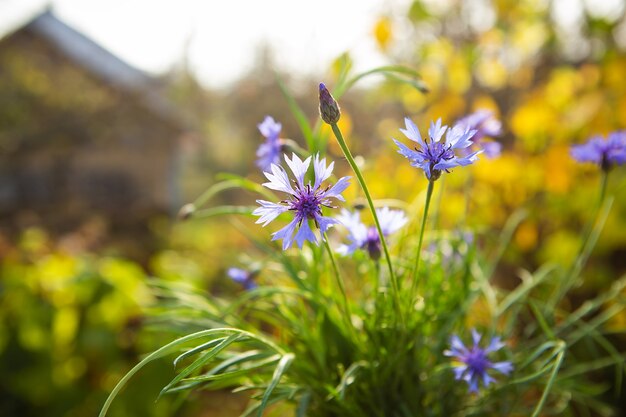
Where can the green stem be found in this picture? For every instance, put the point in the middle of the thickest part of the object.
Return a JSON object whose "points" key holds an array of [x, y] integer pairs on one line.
{"points": [[357, 172], [603, 185], [342, 289], [585, 248], [429, 194]]}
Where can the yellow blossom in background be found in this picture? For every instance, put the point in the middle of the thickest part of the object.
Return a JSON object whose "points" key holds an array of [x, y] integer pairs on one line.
{"points": [[526, 236], [558, 167], [528, 37], [491, 72], [383, 32]]}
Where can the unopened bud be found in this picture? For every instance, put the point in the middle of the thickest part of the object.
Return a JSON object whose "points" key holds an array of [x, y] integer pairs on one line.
{"points": [[329, 109]]}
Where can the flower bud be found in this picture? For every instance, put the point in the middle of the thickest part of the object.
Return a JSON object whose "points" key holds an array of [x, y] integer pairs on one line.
{"points": [[329, 109]]}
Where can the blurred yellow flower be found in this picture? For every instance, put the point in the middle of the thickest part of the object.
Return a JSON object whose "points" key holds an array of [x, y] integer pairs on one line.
{"points": [[383, 32]]}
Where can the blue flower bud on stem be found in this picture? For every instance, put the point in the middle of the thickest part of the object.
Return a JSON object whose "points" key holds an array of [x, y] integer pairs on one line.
{"points": [[329, 109]]}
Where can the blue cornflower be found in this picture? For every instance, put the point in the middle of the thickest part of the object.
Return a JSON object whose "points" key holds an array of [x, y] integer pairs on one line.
{"points": [[306, 201], [474, 363], [485, 124], [269, 151], [366, 238], [243, 277], [605, 153], [434, 156]]}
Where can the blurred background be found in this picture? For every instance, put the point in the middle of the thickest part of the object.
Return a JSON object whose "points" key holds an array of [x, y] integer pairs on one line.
{"points": [[113, 114]]}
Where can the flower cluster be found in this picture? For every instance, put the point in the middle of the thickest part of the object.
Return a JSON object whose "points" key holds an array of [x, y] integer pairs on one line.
{"points": [[473, 363], [305, 200], [366, 238], [434, 156], [604, 152]]}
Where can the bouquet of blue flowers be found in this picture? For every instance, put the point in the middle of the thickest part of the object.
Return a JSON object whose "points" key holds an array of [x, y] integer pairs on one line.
{"points": [[370, 321]]}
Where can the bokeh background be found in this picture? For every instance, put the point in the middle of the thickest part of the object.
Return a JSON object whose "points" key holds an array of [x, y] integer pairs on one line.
{"points": [[114, 114]]}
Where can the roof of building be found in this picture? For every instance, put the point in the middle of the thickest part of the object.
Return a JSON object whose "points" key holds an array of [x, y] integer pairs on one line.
{"points": [[101, 63]]}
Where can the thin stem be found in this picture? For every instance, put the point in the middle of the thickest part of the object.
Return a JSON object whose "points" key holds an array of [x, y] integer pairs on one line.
{"points": [[357, 172], [603, 185], [418, 255], [585, 248], [342, 289]]}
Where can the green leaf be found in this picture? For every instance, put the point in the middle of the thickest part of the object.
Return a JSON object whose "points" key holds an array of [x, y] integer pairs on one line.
{"points": [[280, 370], [159, 353], [223, 210], [197, 349], [201, 361], [396, 72]]}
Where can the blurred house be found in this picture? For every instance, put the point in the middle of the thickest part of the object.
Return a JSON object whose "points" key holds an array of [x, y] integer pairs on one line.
{"points": [[82, 133]]}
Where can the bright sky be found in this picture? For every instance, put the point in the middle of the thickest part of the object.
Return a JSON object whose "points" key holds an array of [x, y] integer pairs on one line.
{"points": [[221, 35]]}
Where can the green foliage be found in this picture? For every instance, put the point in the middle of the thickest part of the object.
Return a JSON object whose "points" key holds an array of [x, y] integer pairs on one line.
{"points": [[356, 339], [68, 321]]}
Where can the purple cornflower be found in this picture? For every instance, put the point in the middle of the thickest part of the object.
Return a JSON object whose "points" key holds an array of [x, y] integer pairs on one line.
{"points": [[434, 156], [474, 363], [306, 201], [485, 124], [269, 151], [366, 238], [243, 277], [605, 153]]}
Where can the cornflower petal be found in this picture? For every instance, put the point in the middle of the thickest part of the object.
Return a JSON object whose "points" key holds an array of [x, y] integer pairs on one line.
{"points": [[459, 371], [485, 124], [492, 149], [269, 127], [412, 132], [305, 233], [357, 231], [436, 131], [286, 234], [242, 277], [469, 159], [238, 274], [459, 138], [495, 344], [446, 164], [476, 337], [390, 220], [268, 152], [504, 367], [322, 172], [487, 379], [279, 180], [336, 190], [458, 347], [268, 211], [298, 167], [413, 156], [325, 223]]}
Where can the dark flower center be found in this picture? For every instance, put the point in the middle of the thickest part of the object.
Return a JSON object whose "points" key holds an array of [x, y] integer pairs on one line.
{"points": [[434, 152], [308, 202], [477, 360]]}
